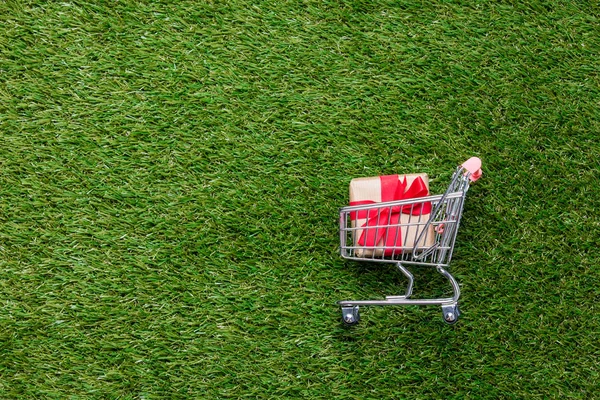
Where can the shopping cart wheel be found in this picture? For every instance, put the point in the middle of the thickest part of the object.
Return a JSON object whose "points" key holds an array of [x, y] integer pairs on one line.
{"points": [[450, 313], [350, 315]]}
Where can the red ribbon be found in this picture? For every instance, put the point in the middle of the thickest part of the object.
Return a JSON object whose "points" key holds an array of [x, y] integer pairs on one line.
{"points": [[392, 189]]}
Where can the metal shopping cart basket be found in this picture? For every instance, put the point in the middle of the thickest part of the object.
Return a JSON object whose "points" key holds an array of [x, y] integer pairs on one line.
{"points": [[375, 232]]}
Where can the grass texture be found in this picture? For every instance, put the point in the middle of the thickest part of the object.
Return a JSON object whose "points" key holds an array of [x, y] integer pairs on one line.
{"points": [[171, 172]]}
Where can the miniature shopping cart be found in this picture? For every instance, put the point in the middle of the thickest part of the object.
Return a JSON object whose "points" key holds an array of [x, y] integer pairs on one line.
{"points": [[431, 221]]}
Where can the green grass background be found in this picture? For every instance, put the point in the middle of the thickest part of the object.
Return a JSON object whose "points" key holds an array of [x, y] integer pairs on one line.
{"points": [[171, 172]]}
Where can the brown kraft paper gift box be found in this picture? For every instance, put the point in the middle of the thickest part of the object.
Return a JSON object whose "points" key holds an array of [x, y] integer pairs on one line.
{"points": [[370, 189]]}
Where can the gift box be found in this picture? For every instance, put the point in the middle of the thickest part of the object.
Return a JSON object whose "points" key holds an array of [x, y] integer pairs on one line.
{"points": [[398, 228]]}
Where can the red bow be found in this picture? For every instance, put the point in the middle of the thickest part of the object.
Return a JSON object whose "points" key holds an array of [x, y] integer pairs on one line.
{"points": [[392, 189]]}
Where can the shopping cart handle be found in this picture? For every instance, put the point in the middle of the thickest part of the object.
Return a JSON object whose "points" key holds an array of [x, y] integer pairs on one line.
{"points": [[473, 166]]}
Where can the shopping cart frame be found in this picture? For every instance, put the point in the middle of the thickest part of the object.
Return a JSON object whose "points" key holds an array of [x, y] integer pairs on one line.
{"points": [[443, 222]]}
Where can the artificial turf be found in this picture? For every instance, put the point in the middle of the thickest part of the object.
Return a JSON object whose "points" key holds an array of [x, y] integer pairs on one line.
{"points": [[171, 172]]}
